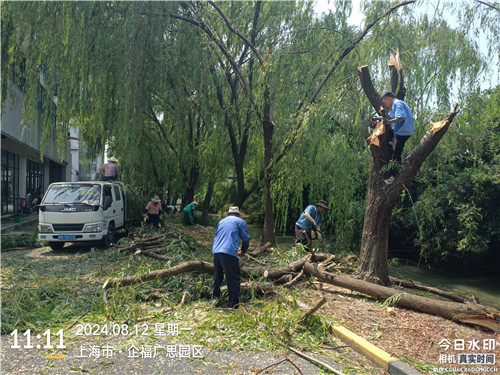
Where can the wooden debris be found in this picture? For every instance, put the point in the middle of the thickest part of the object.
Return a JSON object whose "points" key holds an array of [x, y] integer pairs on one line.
{"points": [[295, 279], [260, 250], [449, 310], [315, 308], [315, 361], [276, 273], [439, 292], [184, 267]]}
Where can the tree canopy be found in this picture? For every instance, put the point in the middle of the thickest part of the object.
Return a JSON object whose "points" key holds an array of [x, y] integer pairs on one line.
{"points": [[257, 102]]}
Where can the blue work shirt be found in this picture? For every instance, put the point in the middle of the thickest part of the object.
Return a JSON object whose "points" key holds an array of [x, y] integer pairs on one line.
{"points": [[399, 110], [306, 224], [230, 231]]}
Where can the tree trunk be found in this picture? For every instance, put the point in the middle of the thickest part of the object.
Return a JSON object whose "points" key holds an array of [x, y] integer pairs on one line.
{"points": [[195, 265], [480, 315], [381, 198], [188, 196], [206, 202], [276, 273], [268, 234], [375, 240]]}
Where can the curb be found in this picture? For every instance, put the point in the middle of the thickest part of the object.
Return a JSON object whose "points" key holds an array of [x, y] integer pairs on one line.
{"points": [[11, 226], [393, 365]]}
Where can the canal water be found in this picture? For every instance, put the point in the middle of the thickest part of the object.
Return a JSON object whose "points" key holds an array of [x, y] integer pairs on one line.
{"points": [[484, 288]]}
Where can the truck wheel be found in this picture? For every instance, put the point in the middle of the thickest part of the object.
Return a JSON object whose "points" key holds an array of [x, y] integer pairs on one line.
{"points": [[56, 246], [110, 237]]}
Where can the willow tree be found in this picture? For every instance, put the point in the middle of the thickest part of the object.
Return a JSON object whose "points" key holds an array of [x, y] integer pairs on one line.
{"points": [[454, 64], [269, 56], [97, 57]]}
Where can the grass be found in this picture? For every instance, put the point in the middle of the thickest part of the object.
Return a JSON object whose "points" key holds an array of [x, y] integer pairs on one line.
{"points": [[8, 242], [46, 290]]}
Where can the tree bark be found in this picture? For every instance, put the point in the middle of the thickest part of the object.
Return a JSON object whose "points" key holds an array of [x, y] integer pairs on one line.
{"points": [[397, 80], [188, 197], [195, 265], [206, 202], [268, 234], [261, 249], [381, 199], [475, 314], [276, 273], [439, 292]]}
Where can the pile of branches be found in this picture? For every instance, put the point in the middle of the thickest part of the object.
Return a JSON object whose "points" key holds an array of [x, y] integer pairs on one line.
{"points": [[318, 265]]}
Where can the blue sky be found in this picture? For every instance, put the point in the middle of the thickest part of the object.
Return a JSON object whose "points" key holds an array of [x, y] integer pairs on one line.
{"points": [[491, 78]]}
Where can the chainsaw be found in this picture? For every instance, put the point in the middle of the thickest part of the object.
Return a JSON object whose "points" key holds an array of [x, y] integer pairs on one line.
{"points": [[372, 123]]}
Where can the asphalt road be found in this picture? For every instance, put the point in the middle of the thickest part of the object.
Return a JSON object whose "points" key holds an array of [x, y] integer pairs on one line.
{"points": [[79, 358]]}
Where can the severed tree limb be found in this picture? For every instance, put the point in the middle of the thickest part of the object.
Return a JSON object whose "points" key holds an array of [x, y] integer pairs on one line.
{"points": [[280, 362], [315, 308], [272, 365], [294, 365], [314, 360], [255, 287], [142, 244], [154, 255], [439, 292], [295, 279], [328, 260], [276, 273], [198, 266], [261, 249], [479, 315], [285, 279], [256, 260], [184, 267]]}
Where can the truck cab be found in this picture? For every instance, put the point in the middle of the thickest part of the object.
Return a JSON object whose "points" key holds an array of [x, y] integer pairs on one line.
{"points": [[86, 211]]}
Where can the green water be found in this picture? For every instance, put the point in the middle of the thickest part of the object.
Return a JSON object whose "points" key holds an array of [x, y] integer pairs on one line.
{"points": [[486, 289]]}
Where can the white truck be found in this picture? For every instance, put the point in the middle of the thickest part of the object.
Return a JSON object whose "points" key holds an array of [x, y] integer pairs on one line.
{"points": [[86, 211]]}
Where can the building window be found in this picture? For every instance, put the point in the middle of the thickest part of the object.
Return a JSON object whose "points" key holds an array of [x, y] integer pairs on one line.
{"points": [[34, 176], [10, 182]]}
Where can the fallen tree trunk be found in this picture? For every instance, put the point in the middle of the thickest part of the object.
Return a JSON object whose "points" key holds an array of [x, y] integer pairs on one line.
{"points": [[470, 313], [195, 265], [254, 287], [439, 292], [276, 273]]}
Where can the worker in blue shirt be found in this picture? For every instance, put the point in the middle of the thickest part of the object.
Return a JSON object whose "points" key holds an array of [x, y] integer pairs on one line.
{"points": [[401, 120], [230, 231], [310, 221]]}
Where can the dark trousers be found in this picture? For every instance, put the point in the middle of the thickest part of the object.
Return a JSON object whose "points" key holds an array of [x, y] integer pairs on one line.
{"points": [[398, 148], [229, 265], [300, 236], [154, 219]]}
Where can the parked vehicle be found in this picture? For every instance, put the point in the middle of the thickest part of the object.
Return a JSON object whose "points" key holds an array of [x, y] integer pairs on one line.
{"points": [[81, 212]]}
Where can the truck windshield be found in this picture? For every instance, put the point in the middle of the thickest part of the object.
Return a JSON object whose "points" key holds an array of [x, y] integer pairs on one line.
{"points": [[73, 193]]}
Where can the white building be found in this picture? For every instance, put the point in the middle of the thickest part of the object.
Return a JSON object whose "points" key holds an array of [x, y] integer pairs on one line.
{"points": [[23, 171]]}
